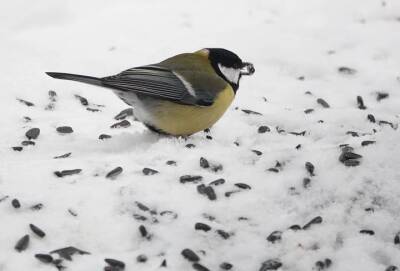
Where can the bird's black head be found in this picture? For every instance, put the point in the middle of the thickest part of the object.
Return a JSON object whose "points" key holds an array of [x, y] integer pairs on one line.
{"points": [[229, 66]]}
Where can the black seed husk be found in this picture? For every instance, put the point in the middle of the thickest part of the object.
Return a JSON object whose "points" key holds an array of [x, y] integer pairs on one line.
{"points": [[371, 118], [39, 232], [323, 103], [44, 258], [141, 258], [17, 148], [295, 227], [243, 185], [190, 178], [225, 235], [64, 129], [250, 112], [369, 232], [104, 136], [315, 220], [68, 172], [67, 252], [381, 95], [124, 113], [121, 124], [202, 227], [190, 146], [257, 152], [83, 100], [190, 255], [199, 267], [272, 264], [66, 155], [217, 182], [263, 129], [27, 143], [16, 204], [274, 236], [22, 243], [209, 191], [226, 266], [171, 163], [143, 231], [360, 103], [25, 102], [310, 168], [115, 263], [347, 70], [367, 142], [32, 133], [204, 163], [308, 111], [149, 171], [114, 173]]}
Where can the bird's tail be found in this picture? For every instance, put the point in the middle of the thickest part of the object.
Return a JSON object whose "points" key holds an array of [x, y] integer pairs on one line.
{"points": [[76, 77]]}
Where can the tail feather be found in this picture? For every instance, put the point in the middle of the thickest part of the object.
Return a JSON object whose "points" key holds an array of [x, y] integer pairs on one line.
{"points": [[76, 77]]}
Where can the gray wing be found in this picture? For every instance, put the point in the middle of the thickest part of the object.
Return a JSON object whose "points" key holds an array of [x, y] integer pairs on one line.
{"points": [[160, 83]]}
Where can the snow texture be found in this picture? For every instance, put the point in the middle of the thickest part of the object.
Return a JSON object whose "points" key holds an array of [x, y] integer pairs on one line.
{"points": [[302, 51]]}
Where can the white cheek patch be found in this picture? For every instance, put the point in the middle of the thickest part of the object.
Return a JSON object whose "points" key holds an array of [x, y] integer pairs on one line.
{"points": [[230, 73]]}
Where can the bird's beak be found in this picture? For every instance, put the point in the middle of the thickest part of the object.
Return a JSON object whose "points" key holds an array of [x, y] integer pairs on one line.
{"points": [[247, 69]]}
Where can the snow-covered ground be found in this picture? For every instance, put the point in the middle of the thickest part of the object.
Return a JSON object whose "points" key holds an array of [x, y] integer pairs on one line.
{"points": [[297, 48]]}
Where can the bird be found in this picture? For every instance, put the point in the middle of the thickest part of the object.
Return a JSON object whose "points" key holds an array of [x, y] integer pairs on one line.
{"points": [[180, 95]]}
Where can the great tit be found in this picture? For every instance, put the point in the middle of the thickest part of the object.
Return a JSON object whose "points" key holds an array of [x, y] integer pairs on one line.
{"points": [[181, 95]]}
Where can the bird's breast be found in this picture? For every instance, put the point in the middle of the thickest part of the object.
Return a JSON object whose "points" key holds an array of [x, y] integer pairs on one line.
{"points": [[181, 120]]}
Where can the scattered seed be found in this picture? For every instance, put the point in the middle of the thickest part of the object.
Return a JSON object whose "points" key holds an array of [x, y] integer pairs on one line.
{"points": [[352, 133], [83, 100], [396, 239], [209, 137], [39, 232], [27, 119], [190, 178], [263, 129], [315, 220], [369, 232], [149, 171], [360, 103], [66, 155], [114, 173], [295, 227], [225, 235], [143, 231], [328, 262], [209, 191], [72, 212], [202, 227], [37, 207], [371, 118], [230, 193], [141, 258], [250, 112], [204, 163], [190, 146], [274, 236], [347, 70], [308, 111], [217, 182], [121, 124], [306, 182], [15, 203], [243, 186], [92, 109], [171, 163], [28, 143], [384, 122], [391, 268], [201, 188], [367, 142], [32, 133], [381, 95], [310, 168], [348, 155], [25, 102], [67, 252], [164, 263], [115, 263], [257, 152], [351, 163], [44, 258], [68, 172], [104, 136], [272, 264], [303, 133], [22, 243], [225, 266], [124, 114], [190, 255], [17, 148], [171, 214], [323, 103], [272, 169], [64, 130], [199, 267]]}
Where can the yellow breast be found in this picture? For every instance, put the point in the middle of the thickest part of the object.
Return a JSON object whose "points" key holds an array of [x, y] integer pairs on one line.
{"points": [[182, 120]]}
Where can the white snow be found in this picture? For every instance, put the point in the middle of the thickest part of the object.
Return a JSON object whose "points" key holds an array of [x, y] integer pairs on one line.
{"points": [[284, 39]]}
